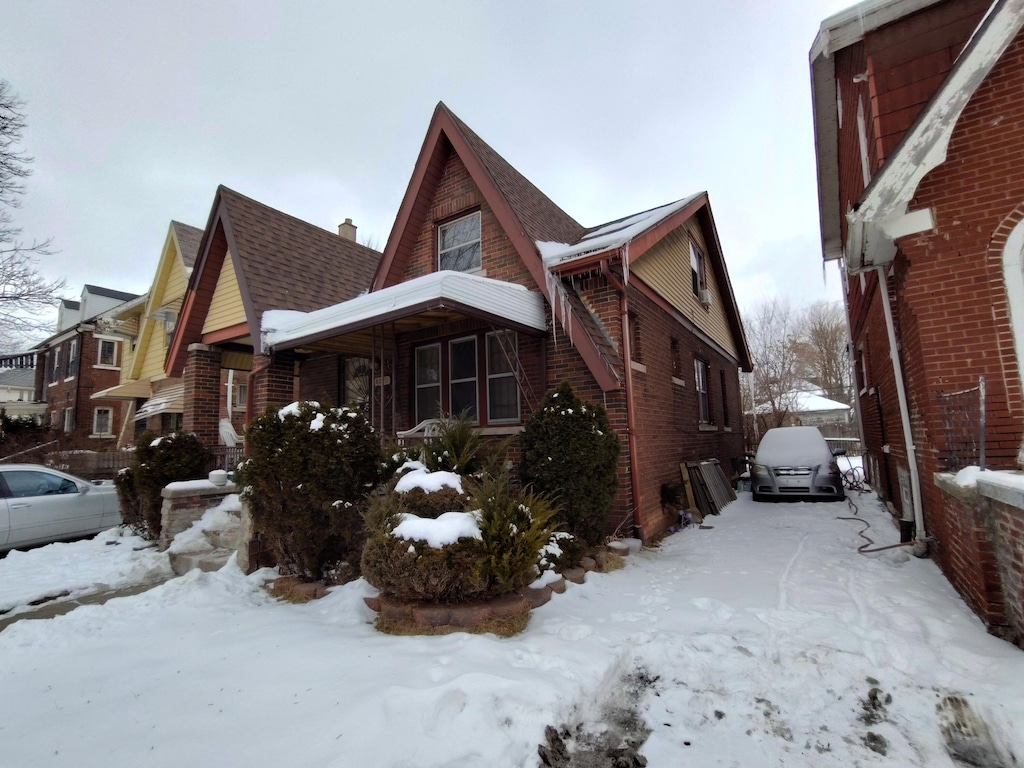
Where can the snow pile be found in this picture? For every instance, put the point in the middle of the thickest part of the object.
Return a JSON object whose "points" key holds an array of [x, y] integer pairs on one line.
{"points": [[111, 560], [438, 532], [222, 518], [967, 477], [765, 641], [428, 481]]}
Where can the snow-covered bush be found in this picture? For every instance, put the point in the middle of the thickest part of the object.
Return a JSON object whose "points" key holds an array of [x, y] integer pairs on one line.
{"points": [[305, 481], [483, 549], [569, 453], [455, 448], [157, 461]]}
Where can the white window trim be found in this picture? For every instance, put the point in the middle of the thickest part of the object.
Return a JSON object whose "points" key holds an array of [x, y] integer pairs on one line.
{"points": [[480, 239], [510, 374], [701, 366], [73, 346], [95, 419], [117, 353], [452, 381]]}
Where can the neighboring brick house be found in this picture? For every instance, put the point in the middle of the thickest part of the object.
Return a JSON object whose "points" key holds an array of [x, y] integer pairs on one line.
{"points": [[252, 258], [151, 400], [79, 360], [488, 295], [919, 126]]}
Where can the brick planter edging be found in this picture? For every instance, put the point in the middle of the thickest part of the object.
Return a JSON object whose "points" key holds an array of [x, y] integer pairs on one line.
{"points": [[469, 615]]}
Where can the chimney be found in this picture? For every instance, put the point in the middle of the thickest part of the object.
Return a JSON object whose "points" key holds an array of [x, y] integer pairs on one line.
{"points": [[347, 230]]}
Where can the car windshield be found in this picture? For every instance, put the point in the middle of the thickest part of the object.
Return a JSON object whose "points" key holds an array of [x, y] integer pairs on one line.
{"points": [[793, 447]]}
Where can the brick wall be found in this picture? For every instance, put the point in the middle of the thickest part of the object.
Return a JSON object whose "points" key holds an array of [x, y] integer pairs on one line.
{"points": [[202, 379], [276, 385]]}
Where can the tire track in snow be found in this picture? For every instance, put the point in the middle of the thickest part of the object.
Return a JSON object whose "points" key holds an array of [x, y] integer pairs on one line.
{"points": [[783, 601]]}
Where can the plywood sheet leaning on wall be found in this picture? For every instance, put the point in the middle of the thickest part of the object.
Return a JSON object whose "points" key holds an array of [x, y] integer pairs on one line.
{"points": [[707, 488]]}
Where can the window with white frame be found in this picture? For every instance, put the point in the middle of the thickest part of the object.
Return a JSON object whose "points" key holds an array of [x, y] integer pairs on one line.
{"points": [[54, 365], [700, 368], [698, 276], [69, 419], [71, 363], [458, 244], [103, 421], [502, 387], [107, 357], [428, 382], [462, 386]]}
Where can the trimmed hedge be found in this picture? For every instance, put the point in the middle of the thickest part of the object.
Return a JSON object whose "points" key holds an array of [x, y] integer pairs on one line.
{"points": [[309, 471], [569, 453]]}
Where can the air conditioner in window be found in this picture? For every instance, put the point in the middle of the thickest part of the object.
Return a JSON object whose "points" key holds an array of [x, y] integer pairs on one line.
{"points": [[705, 297]]}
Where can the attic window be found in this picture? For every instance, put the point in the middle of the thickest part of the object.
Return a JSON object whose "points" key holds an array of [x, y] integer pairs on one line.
{"points": [[697, 269], [458, 244]]}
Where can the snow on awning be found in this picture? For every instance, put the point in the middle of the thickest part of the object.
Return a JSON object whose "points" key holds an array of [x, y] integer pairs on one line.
{"points": [[169, 400], [130, 390], [612, 235], [508, 303]]}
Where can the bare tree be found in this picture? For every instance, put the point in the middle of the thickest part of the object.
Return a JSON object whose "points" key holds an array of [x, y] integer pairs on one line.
{"points": [[25, 295], [822, 349], [771, 334]]}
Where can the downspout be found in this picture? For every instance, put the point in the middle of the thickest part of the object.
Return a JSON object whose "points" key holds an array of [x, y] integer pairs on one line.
{"points": [[627, 356], [921, 546]]}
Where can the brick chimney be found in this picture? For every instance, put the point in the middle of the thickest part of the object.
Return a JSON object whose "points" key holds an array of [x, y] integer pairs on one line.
{"points": [[347, 230]]}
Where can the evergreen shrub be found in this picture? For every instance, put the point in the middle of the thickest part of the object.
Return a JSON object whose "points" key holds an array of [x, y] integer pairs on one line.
{"points": [[569, 453], [157, 462], [455, 448], [305, 481], [130, 501]]}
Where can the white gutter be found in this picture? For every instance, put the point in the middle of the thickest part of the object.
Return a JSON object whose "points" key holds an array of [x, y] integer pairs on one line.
{"points": [[920, 548]]}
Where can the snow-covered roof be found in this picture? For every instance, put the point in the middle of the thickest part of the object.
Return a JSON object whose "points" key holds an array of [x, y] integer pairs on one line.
{"points": [[171, 400], [805, 402], [613, 235], [511, 303]]}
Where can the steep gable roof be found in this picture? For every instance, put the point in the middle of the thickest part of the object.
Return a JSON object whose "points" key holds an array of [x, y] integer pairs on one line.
{"points": [[188, 242], [280, 262]]}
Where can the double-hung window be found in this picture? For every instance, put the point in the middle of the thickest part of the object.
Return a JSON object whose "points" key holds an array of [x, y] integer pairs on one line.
{"points": [[71, 363], [458, 244], [428, 382], [463, 378], [698, 276], [502, 387], [700, 369], [54, 365], [102, 421], [107, 353]]}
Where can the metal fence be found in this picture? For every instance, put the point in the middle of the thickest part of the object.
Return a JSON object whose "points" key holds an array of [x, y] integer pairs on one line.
{"points": [[963, 423]]}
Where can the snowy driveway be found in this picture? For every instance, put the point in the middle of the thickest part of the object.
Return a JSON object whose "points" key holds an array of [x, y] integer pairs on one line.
{"points": [[771, 640]]}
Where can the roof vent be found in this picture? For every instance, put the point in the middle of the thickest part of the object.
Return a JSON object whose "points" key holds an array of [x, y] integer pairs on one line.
{"points": [[347, 230]]}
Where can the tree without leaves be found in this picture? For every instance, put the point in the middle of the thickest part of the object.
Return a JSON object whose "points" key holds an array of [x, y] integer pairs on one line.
{"points": [[771, 330], [25, 295], [822, 349]]}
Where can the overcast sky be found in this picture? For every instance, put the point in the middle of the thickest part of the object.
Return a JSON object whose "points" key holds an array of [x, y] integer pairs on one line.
{"points": [[138, 110]]}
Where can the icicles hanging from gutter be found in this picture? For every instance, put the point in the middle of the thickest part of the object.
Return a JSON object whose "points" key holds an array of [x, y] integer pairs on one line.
{"points": [[560, 299]]}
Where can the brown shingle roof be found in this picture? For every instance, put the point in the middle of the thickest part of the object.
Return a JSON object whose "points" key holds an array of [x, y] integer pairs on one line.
{"points": [[287, 263], [188, 242], [539, 216]]}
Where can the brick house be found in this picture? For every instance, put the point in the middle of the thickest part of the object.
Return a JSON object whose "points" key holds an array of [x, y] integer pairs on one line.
{"points": [[151, 400], [919, 130], [488, 295], [252, 258], [78, 360]]}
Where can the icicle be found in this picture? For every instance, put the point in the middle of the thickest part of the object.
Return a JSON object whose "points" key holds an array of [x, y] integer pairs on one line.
{"points": [[625, 264]]}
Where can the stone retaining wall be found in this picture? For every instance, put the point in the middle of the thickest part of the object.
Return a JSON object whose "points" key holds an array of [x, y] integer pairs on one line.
{"points": [[186, 502]]}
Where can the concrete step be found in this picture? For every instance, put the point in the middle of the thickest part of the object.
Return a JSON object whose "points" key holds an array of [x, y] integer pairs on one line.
{"points": [[205, 561]]}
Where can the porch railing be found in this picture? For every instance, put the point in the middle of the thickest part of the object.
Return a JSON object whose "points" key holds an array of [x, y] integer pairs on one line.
{"points": [[963, 422], [223, 457]]}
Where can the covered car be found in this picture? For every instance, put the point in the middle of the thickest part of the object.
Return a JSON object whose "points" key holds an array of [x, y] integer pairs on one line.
{"points": [[796, 463], [39, 505]]}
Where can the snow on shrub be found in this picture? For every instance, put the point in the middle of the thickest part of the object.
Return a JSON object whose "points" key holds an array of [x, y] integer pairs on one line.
{"points": [[309, 470], [157, 462], [569, 453]]}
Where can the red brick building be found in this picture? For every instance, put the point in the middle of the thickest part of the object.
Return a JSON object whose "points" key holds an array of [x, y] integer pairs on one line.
{"points": [[78, 361], [488, 295], [919, 129]]}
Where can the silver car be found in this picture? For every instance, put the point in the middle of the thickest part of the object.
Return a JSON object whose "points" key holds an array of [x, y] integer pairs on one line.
{"points": [[796, 463], [39, 505]]}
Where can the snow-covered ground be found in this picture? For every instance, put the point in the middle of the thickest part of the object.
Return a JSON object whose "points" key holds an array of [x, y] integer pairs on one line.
{"points": [[765, 640]]}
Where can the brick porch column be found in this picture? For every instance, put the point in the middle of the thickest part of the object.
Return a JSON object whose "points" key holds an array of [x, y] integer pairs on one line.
{"points": [[272, 381], [202, 393]]}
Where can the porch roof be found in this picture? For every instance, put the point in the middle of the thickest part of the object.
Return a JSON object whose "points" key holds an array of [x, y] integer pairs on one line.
{"points": [[170, 400], [129, 390], [435, 297]]}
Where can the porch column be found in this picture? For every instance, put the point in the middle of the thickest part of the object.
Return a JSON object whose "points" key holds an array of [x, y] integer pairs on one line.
{"points": [[202, 393], [272, 381]]}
